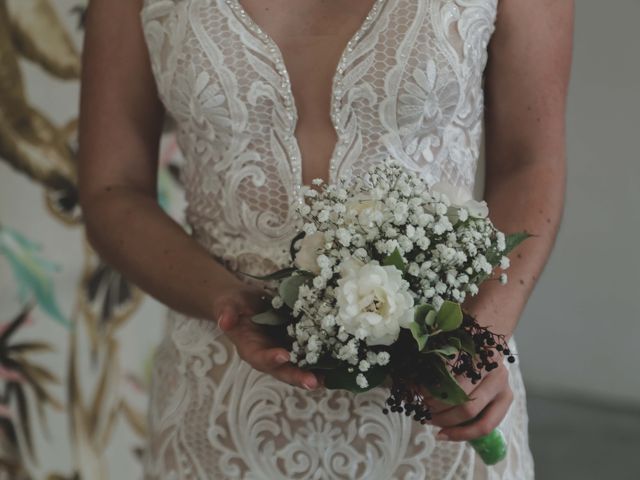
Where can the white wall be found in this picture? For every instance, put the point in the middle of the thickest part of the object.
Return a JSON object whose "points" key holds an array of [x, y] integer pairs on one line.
{"points": [[580, 332]]}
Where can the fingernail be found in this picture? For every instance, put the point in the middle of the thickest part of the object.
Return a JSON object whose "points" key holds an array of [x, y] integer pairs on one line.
{"points": [[281, 358], [442, 436], [309, 385]]}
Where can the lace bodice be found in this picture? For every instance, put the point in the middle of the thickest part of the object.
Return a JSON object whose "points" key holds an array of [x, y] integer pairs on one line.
{"points": [[408, 84]]}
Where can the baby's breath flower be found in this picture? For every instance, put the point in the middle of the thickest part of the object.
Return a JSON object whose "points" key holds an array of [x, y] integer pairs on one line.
{"points": [[276, 302], [361, 380], [364, 365], [383, 358], [319, 282]]}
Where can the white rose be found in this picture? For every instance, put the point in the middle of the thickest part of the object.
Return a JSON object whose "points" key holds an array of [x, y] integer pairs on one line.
{"points": [[373, 298], [307, 256], [461, 197]]}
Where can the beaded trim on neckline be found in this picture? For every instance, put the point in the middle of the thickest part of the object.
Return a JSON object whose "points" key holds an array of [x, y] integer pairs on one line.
{"points": [[346, 57]]}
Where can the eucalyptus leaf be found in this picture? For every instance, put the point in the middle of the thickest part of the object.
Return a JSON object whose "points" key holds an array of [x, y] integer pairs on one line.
{"points": [[455, 342], [288, 288], [430, 319], [446, 385], [421, 311], [342, 379], [395, 259], [419, 334], [449, 316], [270, 317]]}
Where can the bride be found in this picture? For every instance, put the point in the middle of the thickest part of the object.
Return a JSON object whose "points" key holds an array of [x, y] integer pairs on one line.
{"points": [[268, 95]]}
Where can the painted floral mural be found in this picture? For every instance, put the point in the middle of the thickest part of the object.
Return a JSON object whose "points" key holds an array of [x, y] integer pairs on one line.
{"points": [[76, 337]]}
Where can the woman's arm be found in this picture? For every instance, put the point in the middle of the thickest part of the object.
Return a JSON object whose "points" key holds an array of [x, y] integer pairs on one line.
{"points": [[120, 126], [527, 78], [526, 87]]}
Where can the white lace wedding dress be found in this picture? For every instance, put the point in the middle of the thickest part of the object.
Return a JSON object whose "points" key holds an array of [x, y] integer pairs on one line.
{"points": [[409, 83]]}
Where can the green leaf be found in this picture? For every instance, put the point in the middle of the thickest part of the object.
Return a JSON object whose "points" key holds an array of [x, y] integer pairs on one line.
{"points": [[277, 275], [466, 343], [446, 350], [270, 317], [423, 316], [446, 385], [513, 240], [289, 287], [449, 316], [342, 379], [419, 334], [430, 319], [395, 259], [455, 342], [32, 272], [421, 311]]}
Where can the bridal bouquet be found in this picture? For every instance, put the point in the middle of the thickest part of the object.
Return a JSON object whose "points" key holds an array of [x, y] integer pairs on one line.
{"points": [[374, 292]]}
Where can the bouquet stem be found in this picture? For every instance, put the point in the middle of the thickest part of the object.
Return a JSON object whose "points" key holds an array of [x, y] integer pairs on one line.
{"points": [[491, 447]]}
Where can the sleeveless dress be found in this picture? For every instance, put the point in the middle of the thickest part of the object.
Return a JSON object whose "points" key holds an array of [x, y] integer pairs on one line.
{"points": [[409, 84]]}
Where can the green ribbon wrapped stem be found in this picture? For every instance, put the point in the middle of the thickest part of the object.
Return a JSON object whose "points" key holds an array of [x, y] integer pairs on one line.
{"points": [[491, 447]]}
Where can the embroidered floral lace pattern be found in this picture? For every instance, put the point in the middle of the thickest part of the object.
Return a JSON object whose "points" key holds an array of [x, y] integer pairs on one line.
{"points": [[409, 83]]}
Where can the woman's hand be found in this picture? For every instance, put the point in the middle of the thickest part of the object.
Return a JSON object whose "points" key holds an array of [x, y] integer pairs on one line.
{"points": [[491, 399], [233, 312]]}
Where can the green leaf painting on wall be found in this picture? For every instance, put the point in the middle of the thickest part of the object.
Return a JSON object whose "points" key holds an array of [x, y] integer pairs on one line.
{"points": [[102, 408], [33, 274]]}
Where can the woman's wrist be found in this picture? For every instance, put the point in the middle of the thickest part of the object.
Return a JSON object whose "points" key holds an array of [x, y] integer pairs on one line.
{"points": [[494, 310]]}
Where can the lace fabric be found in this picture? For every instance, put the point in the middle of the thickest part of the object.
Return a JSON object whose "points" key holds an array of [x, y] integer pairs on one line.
{"points": [[409, 84]]}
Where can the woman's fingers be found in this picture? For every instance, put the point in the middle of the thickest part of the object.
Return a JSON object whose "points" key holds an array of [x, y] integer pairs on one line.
{"points": [[295, 376], [489, 387], [484, 424], [275, 361], [260, 351], [232, 306], [227, 318]]}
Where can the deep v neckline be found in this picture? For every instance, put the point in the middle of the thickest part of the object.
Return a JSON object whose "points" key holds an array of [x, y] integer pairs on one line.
{"points": [[337, 91]]}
